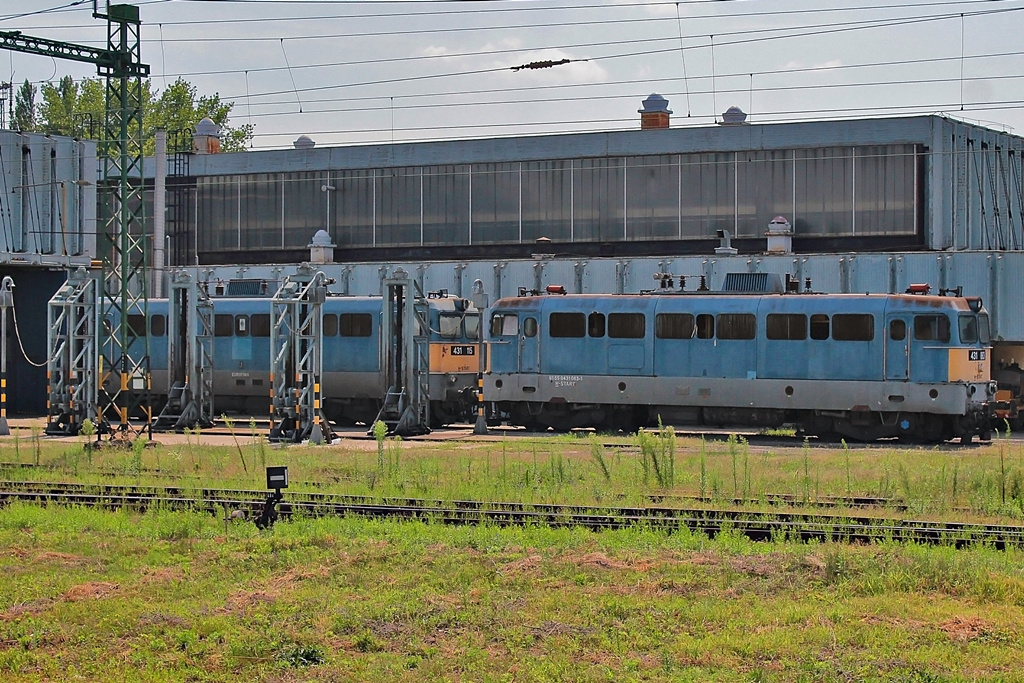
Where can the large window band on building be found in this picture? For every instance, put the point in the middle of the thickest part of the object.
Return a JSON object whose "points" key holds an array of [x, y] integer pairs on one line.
{"points": [[825, 192]]}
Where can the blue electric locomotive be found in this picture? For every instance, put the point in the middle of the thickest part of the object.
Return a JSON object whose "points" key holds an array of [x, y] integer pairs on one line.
{"points": [[351, 381], [860, 366]]}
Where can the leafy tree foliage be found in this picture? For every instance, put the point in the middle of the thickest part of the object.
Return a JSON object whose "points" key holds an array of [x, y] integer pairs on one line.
{"points": [[78, 109], [25, 107]]}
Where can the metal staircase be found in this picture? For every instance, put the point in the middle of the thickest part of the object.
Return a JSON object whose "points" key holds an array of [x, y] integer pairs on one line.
{"points": [[296, 358], [190, 366], [405, 356]]}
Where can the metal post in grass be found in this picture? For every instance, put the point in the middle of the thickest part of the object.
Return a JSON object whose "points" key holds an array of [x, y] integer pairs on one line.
{"points": [[6, 301], [277, 479]]}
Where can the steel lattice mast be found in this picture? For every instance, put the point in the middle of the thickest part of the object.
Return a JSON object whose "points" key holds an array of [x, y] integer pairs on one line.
{"points": [[121, 364]]}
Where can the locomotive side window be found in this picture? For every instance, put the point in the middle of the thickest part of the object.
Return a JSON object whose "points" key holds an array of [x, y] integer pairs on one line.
{"points": [[736, 326], [674, 326], [705, 326], [791, 326], [241, 326], [330, 325], [259, 324], [530, 327], [504, 324], [931, 328], [568, 325], [355, 324], [595, 324], [137, 324], [223, 325], [897, 330], [853, 327], [626, 325], [472, 325], [819, 326], [158, 325], [451, 325]]}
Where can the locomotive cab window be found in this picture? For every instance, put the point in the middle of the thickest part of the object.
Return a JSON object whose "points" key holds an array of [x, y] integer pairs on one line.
{"points": [[158, 325], [504, 324], [674, 326], [736, 326], [137, 324], [820, 327], [355, 324], [472, 325], [983, 333], [450, 325], [968, 329], [259, 324], [788, 326], [931, 328], [530, 327], [595, 325], [223, 325], [626, 325], [705, 326], [853, 327], [568, 325], [330, 325], [897, 330]]}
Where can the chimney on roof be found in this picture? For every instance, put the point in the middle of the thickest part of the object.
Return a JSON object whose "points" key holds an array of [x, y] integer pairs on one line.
{"points": [[206, 138], [655, 113]]}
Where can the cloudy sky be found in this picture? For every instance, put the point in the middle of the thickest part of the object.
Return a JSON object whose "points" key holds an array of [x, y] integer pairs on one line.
{"points": [[356, 71]]}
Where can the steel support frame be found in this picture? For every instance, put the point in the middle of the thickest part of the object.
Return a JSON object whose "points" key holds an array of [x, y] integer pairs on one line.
{"points": [[296, 358], [71, 363], [124, 373], [405, 356], [190, 348]]}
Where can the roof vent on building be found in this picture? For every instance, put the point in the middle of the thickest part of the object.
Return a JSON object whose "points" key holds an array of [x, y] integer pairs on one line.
{"points": [[733, 116], [655, 114], [321, 249], [304, 142], [206, 138]]}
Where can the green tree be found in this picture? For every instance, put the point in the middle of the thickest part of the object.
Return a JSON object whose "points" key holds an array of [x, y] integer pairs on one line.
{"points": [[180, 107], [79, 109], [25, 107]]}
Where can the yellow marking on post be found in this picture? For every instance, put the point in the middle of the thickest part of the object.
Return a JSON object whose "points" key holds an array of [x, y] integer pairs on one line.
{"points": [[124, 381]]}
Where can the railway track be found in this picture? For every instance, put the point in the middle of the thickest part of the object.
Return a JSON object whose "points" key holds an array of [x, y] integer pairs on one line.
{"points": [[756, 525]]}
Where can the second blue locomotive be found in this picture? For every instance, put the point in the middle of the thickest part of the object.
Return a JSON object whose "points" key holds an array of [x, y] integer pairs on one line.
{"points": [[863, 367]]}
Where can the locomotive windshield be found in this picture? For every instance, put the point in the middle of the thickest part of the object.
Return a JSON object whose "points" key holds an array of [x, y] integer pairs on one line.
{"points": [[504, 324], [472, 325], [974, 328]]}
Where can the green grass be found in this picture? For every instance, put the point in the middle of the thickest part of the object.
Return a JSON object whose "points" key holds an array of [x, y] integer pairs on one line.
{"points": [[178, 596], [975, 484], [174, 596]]}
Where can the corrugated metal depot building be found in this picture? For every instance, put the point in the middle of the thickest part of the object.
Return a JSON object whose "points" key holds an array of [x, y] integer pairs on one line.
{"points": [[875, 205], [893, 184]]}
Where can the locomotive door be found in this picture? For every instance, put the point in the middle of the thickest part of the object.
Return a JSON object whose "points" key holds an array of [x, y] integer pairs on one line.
{"points": [[529, 346], [897, 347]]}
